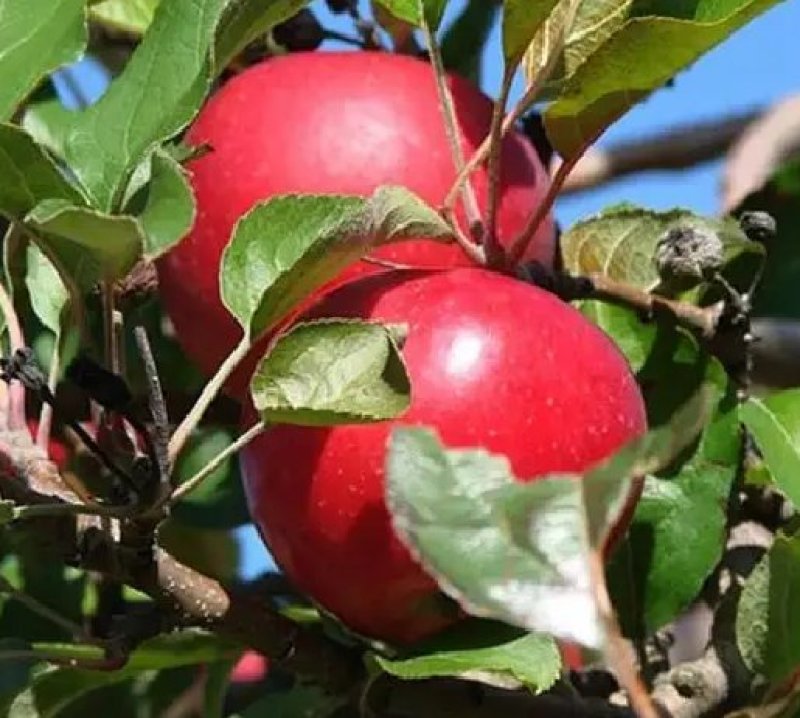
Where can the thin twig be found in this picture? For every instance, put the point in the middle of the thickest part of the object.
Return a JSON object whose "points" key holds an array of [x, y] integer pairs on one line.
{"points": [[36, 511], [158, 405], [678, 148], [620, 656], [495, 254], [525, 103], [451, 127], [209, 393], [194, 482], [703, 320]]}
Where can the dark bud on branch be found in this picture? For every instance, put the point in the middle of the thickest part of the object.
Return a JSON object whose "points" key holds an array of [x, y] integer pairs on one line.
{"points": [[758, 226], [689, 253], [103, 386], [22, 366], [300, 32]]}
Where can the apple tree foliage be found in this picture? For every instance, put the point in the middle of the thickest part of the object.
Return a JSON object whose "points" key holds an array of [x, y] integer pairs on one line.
{"points": [[89, 197]]}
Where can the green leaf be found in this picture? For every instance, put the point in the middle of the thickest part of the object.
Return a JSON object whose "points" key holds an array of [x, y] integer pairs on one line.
{"points": [[518, 552], [332, 372], [156, 95], [47, 292], [767, 622], [48, 123], [91, 245], [413, 11], [679, 528], [287, 247], [52, 690], [638, 58], [169, 210], [774, 423], [29, 175], [244, 21], [463, 42], [130, 16], [482, 650], [15, 674], [6, 512], [521, 20], [574, 30], [620, 242], [36, 37], [219, 502]]}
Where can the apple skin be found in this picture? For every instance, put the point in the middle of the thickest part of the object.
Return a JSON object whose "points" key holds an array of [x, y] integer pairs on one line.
{"points": [[250, 668], [494, 363], [330, 123]]}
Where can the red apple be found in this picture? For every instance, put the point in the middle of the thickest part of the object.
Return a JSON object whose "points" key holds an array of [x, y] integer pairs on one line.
{"points": [[493, 362], [330, 123], [250, 668]]}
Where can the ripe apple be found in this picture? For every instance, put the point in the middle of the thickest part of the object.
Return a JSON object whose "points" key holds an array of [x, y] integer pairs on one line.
{"points": [[330, 123], [250, 668], [493, 362]]}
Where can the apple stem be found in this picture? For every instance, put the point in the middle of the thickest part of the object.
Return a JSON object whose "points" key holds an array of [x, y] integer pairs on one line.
{"points": [[453, 133], [512, 117], [495, 254], [209, 393], [191, 484], [15, 394]]}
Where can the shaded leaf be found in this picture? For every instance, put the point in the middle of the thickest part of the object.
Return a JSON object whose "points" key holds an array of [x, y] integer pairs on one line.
{"points": [[638, 58], [54, 689], [245, 20], [774, 423], [91, 244], [169, 211], [48, 295], [767, 622], [621, 242], [485, 649], [413, 11], [36, 37], [29, 175], [157, 94], [287, 247], [219, 502], [332, 372], [463, 42]]}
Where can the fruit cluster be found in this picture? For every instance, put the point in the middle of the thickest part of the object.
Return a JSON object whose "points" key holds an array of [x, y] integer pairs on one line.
{"points": [[494, 362]]}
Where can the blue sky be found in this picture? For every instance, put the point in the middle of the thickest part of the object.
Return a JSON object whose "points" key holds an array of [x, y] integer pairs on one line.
{"points": [[758, 65]]}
